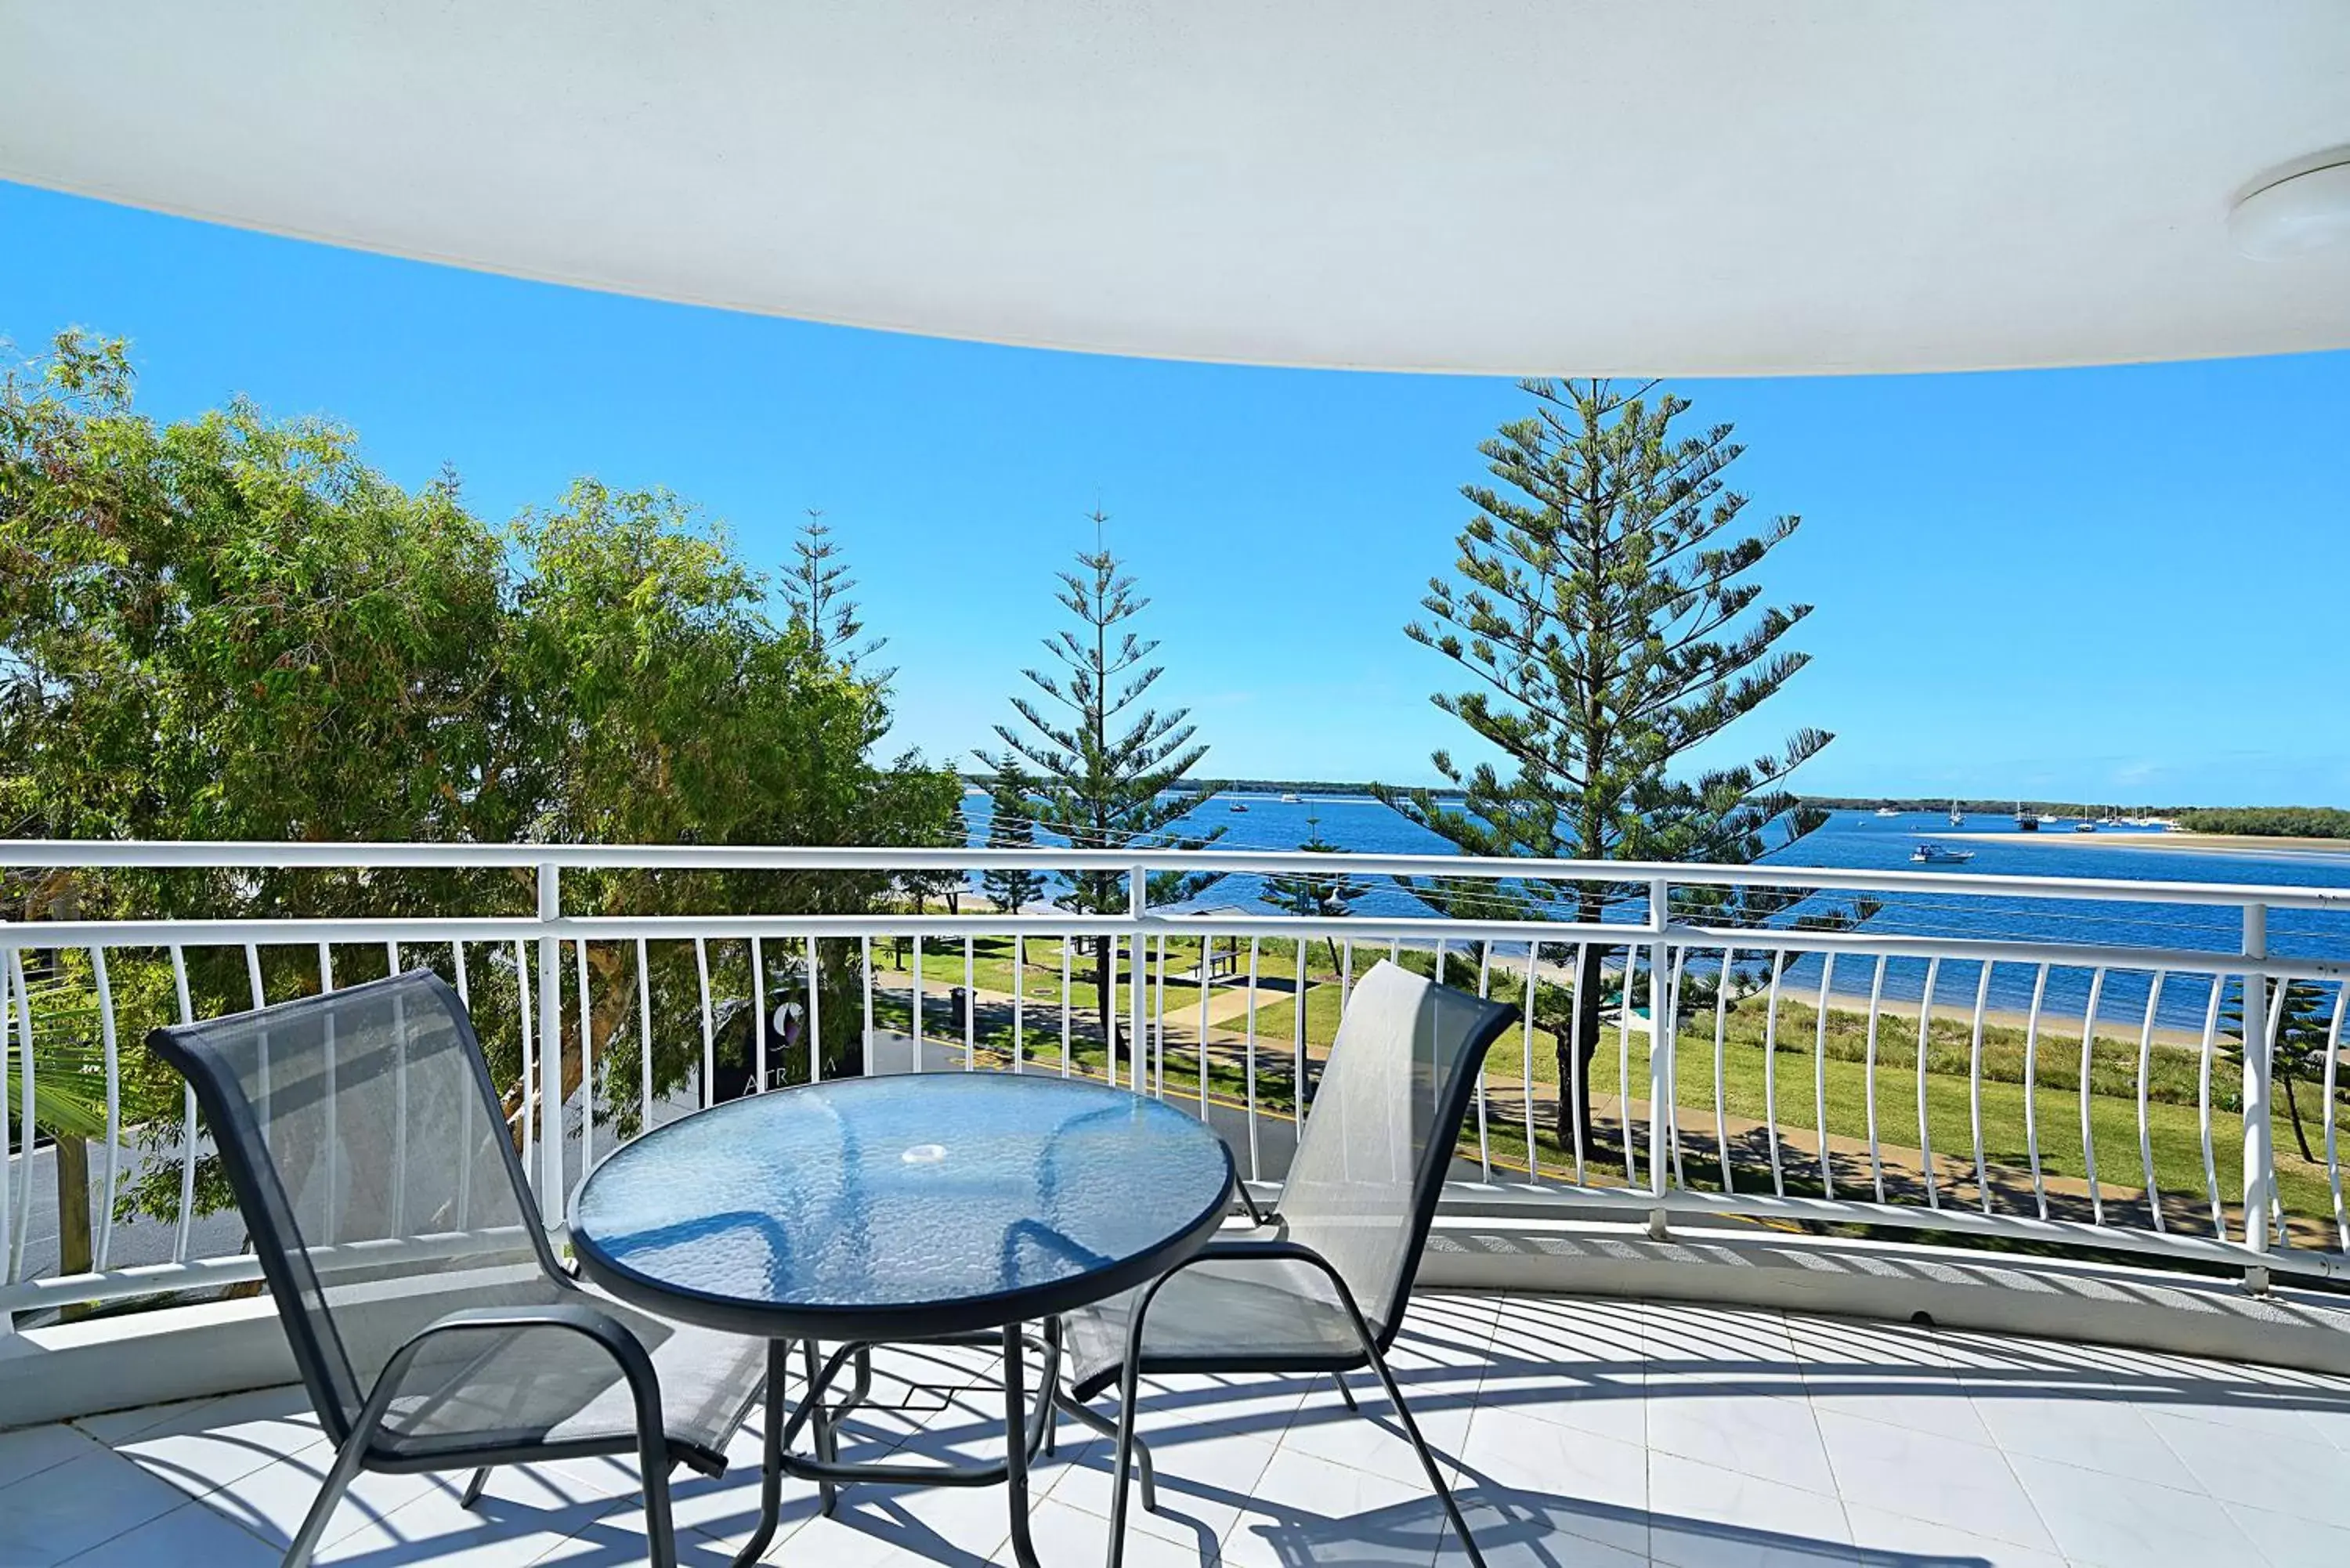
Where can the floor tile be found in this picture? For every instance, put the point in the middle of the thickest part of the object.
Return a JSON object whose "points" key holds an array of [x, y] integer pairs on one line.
{"points": [[1832, 1346], [1369, 1436], [1934, 1480], [1702, 1516], [191, 1534], [615, 1538], [1585, 1432], [1309, 1509], [1464, 1319], [878, 1527], [2287, 1541], [2090, 1431], [1204, 1487], [728, 1507], [84, 1502], [273, 1501], [1889, 1372], [1598, 1488], [1772, 1438], [2106, 1522], [209, 1445], [28, 1451], [1574, 1329], [1718, 1347], [1924, 1404], [1533, 1530], [2329, 1413], [1066, 1535], [2305, 1478], [1253, 1405], [111, 1426], [1574, 1363], [1896, 1541]]}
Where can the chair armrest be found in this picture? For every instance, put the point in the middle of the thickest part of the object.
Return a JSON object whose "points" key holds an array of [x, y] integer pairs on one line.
{"points": [[1261, 1246], [1242, 1248], [574, 1317]]}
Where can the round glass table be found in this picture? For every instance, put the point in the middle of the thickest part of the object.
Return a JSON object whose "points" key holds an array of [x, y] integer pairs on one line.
{"points": [[927, 1206]]}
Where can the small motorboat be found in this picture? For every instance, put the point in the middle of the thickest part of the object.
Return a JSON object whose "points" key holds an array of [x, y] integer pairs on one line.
{"points": [[1886, 811], [1289, 800], [1940, 855], [1238, 805]]}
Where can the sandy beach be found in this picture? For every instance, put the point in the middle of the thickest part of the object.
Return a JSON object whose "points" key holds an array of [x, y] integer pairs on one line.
{"points": [[2199, 842]]}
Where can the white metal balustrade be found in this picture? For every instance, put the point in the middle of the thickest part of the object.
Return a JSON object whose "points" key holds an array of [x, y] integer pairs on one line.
{"points": [[1678, 1151]]}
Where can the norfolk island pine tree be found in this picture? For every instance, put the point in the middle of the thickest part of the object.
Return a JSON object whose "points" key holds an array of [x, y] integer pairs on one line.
{"points": [[1102, 763], [1603, 603]]}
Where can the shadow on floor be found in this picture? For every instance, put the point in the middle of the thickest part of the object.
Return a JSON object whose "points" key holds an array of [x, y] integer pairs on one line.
{"points": [[1517, 1529]]}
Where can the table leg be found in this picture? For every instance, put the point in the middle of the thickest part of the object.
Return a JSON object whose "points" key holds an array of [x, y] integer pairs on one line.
{"points": [[827, 1449], [1015, 1434], [771, 1467]]}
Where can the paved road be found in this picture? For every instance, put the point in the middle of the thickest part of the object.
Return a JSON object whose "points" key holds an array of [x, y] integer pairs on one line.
{"points": [[140, 1242]]}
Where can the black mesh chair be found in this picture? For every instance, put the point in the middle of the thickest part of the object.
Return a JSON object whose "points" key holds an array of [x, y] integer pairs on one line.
{"points": [[374, 1166], [1325, 1290]]}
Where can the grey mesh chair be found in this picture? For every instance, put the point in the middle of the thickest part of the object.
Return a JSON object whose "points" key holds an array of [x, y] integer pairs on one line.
{"points": [[361, 1126], [1325, 1290]]}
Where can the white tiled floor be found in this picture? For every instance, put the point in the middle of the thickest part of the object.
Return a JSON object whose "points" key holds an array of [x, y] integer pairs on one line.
{"points": [[1608, 1433]]}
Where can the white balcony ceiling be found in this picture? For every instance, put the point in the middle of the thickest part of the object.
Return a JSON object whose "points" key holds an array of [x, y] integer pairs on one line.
{"points": [[1680, 186]]}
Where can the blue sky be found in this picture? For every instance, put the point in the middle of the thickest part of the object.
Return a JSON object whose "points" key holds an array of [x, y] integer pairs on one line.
{"points": [[2115, 585]]}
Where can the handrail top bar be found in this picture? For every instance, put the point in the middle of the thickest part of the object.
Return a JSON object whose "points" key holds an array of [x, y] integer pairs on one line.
{"points": [[364, 930], [166, 854]]}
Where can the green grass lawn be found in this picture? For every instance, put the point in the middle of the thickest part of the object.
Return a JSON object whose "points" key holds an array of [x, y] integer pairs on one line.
{"points": [[2174, 1129], [2172, 1121]]}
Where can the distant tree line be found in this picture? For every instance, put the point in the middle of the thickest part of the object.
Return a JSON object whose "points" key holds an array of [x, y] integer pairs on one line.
{"points": [[2270, 821]]}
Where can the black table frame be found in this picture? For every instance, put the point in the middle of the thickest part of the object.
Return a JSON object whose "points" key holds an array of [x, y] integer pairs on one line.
{"points": [[1027, 1433], [999, 1318]]}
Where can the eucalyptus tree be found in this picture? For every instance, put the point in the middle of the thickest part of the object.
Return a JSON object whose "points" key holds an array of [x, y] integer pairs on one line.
{"points": [[231, 626], [1106, 764], [1604, 611]]}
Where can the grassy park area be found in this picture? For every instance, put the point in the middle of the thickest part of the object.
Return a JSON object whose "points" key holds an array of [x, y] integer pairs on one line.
{"points": [[1748, 1077]]}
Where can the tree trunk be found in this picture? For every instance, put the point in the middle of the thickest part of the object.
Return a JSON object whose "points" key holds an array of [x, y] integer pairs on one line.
{"points": [[74, 1256], [2300, 1134], [1102, 965], [1574, 1060]]}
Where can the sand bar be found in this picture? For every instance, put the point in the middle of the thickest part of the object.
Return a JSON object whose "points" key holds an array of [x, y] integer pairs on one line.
{"points": [[2198, 842]]}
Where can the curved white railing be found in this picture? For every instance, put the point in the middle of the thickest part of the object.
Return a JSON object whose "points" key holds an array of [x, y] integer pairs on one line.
{"points": [[1744, 1108]]}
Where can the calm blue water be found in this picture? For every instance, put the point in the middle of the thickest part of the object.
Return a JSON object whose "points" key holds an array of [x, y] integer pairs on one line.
{"points": [[1863, 841]]}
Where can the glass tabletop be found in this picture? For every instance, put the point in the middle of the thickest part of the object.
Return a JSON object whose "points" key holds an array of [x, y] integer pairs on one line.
{"points": [[927, 1203]]}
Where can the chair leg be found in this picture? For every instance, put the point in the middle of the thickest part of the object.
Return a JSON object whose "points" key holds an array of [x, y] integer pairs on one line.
{"points": [[1345, 1392], [330, 1492], [474, 1488], [1129, 1393], [660, 1532], [1087, 1416], [1420, 1445]]}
